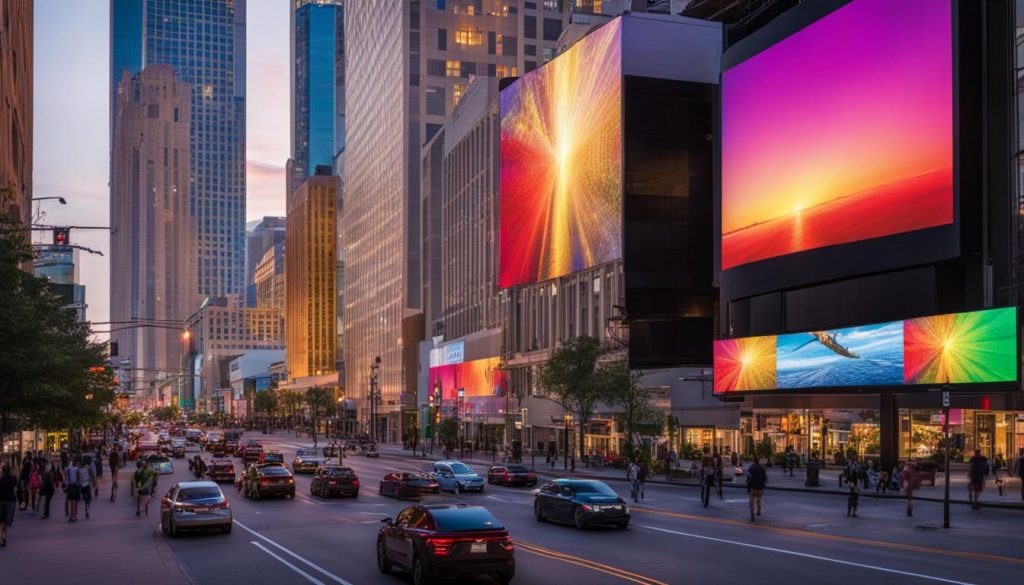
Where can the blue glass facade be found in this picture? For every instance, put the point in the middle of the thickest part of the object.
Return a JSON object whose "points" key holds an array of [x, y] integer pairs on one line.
{"points": [[204, 40], [318, 118]]}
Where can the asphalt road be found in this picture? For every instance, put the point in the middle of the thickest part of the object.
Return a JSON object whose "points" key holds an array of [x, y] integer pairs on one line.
{"points": [[672, 538]]}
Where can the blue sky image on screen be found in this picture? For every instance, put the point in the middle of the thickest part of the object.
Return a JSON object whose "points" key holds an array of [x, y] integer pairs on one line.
{"points": [[870, 355]]}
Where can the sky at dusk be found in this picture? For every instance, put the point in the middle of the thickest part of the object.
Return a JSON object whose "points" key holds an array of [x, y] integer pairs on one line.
{"points": [[71, 118]]}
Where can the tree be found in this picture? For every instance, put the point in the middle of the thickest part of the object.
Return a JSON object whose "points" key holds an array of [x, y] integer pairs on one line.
{"points": [[51, 372], [448, 434], [291, 401], [638, 416], [166, 413], [570, 379], [320, 400], [266, 402]]}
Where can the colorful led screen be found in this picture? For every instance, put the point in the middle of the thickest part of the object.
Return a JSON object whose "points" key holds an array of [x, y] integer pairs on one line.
{"points": [[961, 348], [840, 133], [561, 170], [478, 378]]}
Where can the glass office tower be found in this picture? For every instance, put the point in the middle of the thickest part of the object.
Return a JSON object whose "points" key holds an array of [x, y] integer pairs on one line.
{"points": [[204, 41]]}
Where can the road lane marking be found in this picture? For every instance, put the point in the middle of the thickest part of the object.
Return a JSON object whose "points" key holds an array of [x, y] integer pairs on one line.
{"points": [[287, 564], [835, 537], [587, 564], [809, 556], [308, 563]]}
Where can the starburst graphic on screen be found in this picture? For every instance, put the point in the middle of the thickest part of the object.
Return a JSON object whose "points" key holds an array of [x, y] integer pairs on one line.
{"points": [[961, 348], [745, 364], [561, 171]]}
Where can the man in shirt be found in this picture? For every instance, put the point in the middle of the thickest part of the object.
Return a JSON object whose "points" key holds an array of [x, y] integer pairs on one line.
{"points": [[8, 501]]}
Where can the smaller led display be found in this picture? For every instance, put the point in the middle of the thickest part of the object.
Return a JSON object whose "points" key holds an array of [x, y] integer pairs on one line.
{"points": [[477, 378], [959, 348]]}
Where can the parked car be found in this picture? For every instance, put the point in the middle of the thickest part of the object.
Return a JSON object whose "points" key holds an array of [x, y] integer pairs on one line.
{"points": [[194, 504], [306, 463], [334, 479], [580, 502], [262, 480], [221, 470], [510, 475], [273, 457], [457, 477], [446, 541], [405, 484], [160, 464]]}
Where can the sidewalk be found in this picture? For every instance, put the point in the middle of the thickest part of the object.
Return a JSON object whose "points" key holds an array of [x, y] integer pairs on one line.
{"points": [[777, 480], [114, 546]]}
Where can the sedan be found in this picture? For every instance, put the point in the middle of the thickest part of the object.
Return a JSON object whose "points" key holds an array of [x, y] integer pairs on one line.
{"points": [[580, 502], [509, 475], [273, 457], [434, 542], [194, 504], [404, 484], [262, 480], [456, 476], [307, 463], [221, 470], [160, 464], [334, 479]]}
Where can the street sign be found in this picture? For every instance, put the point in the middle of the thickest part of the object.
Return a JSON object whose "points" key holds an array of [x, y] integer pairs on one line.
{"points": [[945, 398]]}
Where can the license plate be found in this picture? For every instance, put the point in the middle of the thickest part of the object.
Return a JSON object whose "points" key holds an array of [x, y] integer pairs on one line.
{"points": [[478, 547], [186, 513]]}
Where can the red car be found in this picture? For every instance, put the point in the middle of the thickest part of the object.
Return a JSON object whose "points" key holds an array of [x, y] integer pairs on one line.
{"points": [[510, 475], [405, 484]]}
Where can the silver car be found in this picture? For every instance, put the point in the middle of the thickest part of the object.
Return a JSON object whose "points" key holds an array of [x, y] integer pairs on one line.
{"points": [[194, 504]]}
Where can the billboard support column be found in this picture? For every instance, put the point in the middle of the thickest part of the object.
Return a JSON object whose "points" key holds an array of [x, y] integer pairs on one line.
{"points": [[888, 431]]}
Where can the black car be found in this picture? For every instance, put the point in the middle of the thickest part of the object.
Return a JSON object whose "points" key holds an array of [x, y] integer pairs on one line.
{"points": [[221, 470], [406, 484], [262, 480], [273, 457], [509, 475], [334, 479], [446, 541], [582, 503]]}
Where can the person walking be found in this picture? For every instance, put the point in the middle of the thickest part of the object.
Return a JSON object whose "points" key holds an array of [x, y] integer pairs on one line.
{"points": [[911, 481], [707, 477], [882, 484], [8, 501], [719, 474], [757, 479], [633, 475], [87, 479], [145, 483], [115, 465], [23, 477], [35, 483], [641, 478], [1020, 472], [73, 479], [978, 468], [853, 499], [50, 479]]}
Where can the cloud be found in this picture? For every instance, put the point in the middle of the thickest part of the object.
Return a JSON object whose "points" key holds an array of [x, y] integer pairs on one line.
{"points": [[255, 169]]}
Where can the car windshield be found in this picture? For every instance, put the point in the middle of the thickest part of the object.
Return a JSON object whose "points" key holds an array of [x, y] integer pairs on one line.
{"points": [[593, 487], [159, 460], [199, 493], [305, 453], [274, 470], [465, 519], [517, 469], [339, 472], [273, 457], [413, 476], [461, 468]]}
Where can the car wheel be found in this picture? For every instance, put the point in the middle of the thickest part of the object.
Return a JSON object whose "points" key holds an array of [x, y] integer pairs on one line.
{"points": [[419, 572], [227, 528], [163, 525], [311, 491], [380, 490], [505, 577], [172, 530], [577, 519], [256, 494], [456, 489], [355, 494], [538, 513], [622, 525], [323, 492], [292, 495], [382, 557]]}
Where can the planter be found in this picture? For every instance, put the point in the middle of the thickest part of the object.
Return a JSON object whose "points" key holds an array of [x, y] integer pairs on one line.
{"points": [[927, 477]]}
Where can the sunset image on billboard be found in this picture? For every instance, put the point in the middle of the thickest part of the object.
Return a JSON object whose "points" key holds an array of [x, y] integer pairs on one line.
{"points": [[561, 169], [843, 132]]}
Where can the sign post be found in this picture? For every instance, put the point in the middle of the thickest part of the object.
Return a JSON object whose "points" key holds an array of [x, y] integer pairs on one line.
{"points": [[945, 432]]}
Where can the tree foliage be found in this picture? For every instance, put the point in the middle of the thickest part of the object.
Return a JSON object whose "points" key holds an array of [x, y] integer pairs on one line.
{"points": [[571, 379], [166, 413], [448, 433], [266, 402], [638, 415], [52, 374]]}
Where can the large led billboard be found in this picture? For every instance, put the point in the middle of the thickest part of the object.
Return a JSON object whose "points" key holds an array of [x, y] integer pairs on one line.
{"points": [[561, 163], [961, 348], [841, 132], [478, 378]]}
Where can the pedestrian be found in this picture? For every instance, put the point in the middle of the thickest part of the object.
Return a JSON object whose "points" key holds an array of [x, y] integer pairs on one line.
{"points": [[35, 483], [1020, 472], [115, 464], [73, 478], [144, 482], [853, 500], [757, 479], [998, 464], [978, 468], [911, 481], [8, 501], [23, 477], [895, 477], [87, 479], [633, 475], [707, 477], [882, 484], [50, 480], [718, 474], [641, 478], [792, 459]]}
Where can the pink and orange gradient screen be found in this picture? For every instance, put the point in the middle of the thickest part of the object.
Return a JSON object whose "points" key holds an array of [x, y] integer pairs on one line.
{"points": [[561, 169], [840, 133]]}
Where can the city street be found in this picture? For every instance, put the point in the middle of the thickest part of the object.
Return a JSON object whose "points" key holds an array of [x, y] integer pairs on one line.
{"points": [[672, 539]]}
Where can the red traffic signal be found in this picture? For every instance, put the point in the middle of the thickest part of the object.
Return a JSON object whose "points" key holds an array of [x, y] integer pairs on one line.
{"points": [[61, 236]]}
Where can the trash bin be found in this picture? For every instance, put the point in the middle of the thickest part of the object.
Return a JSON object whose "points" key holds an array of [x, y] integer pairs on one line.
{"points": [[813, 468]]}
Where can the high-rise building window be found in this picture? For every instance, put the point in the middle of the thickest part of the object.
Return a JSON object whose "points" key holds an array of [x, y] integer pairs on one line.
{"points": [[453, 68], [442, 39], [469, 37], [530, 27], [457, 90]]}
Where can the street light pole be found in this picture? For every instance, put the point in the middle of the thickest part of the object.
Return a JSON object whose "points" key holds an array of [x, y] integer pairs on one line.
{"points": [[945, 432], [374, 370]]}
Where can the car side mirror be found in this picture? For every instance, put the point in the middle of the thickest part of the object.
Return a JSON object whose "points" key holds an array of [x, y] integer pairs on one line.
{"points": [[566, 492]]}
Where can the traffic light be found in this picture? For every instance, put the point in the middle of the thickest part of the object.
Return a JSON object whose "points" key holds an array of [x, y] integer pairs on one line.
{"points": [[61, 236]]}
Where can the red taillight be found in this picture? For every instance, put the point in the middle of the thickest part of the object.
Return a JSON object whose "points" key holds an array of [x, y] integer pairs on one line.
{"points": [[585, 507], [333, 482], [231, 469], [355, 482], [441, 546], [505, 542], [223, 504], [264, 482]]}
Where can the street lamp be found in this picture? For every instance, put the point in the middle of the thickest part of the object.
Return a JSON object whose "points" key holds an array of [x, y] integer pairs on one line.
{"points": [[568, 425], [62, 200]]}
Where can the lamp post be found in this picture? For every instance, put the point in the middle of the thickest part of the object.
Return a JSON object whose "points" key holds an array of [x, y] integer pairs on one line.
{"points": [[568, 425], [945, 432], [374, 397]]}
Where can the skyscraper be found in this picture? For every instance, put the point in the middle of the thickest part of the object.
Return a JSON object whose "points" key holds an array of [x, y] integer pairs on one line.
{"points": [[204, 42], [311, 296], [268, 233], [152, 240], [408, 64], [318, 87]]}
